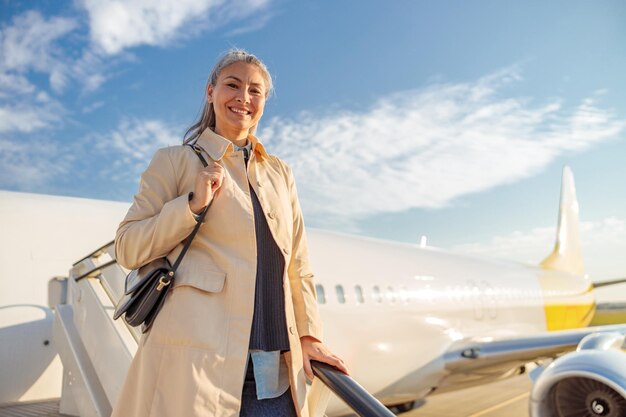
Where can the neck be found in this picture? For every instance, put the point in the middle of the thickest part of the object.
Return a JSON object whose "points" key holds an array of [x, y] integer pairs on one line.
{"points": [[240, 142], [239, 138]]}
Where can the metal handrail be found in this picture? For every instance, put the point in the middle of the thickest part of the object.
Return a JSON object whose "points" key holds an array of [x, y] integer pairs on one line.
{"points": [[97, 268], [342, 385], [353, 394], [95, 253]]}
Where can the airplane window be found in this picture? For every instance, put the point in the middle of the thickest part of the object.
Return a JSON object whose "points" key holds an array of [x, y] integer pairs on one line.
{"points": [[340, 294], [359, 294], [321, 297], [391, 296], [376, 294]]}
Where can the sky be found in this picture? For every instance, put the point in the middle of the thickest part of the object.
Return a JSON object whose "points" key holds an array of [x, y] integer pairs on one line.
{"points": [[401, 119]]}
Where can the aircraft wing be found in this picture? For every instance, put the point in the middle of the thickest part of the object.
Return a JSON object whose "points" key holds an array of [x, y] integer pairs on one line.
{"points": [[480, 356]]}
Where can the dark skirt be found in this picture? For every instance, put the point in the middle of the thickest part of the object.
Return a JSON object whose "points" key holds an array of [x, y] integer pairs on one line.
{"points": [[251, 406]]}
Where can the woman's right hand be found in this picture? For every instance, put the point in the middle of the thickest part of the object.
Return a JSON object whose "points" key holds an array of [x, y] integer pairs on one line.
{"points": [[208, 181]]}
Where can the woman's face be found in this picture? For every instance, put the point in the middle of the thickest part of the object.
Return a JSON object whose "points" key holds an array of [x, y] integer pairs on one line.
{"points": [[238, 99]]}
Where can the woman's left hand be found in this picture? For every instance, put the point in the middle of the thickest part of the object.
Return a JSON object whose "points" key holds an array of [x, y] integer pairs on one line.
{"points": [[313, 349]]}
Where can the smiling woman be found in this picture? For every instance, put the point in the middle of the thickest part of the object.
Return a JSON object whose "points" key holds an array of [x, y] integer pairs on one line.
{"points": [[238, 100], [237, 332], [262, 88]]}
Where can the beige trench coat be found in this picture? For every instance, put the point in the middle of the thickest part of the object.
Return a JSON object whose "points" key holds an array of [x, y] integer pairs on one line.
{"points": [[192, 361]]}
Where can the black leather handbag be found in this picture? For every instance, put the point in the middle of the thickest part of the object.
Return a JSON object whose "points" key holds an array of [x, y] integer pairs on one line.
{"points": [[145, 288]]}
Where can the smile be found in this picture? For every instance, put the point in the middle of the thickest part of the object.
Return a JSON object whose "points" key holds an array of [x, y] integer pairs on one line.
{"points": [[239, 111]]}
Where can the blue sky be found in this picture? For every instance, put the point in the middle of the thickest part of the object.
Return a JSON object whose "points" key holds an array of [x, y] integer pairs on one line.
{"points": [[450, 119]]}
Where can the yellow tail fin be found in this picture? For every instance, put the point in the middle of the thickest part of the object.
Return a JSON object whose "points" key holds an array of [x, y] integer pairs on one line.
{"points": [[567, 254]]}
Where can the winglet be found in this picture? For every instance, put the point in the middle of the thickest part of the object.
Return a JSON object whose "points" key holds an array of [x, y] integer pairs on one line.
{"points": [[567, 255]]}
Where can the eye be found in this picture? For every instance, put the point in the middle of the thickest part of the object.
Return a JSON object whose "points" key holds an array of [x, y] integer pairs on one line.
{"points": [[256, 91], [232, 85]]}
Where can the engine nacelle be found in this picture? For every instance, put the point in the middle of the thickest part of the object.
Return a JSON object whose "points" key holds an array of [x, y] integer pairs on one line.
{"points": [[588, 382]]}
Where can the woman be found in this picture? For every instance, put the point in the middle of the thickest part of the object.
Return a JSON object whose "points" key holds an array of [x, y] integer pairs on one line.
{"points": [[241, 322]]}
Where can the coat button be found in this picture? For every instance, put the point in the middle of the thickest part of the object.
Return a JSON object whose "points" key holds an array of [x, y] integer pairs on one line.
{"points": [[271, 215], [291, 330], [259, 183], [286, 251]]}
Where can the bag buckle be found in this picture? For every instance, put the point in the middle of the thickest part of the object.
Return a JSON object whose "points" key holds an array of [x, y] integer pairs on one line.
{"points": [[163, 282]]}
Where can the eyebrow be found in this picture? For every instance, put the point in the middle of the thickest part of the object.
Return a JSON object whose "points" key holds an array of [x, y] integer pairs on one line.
{"points": [[235, 78]]}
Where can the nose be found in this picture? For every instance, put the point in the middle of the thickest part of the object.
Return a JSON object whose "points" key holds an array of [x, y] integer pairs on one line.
{"points": [[243, 96]]}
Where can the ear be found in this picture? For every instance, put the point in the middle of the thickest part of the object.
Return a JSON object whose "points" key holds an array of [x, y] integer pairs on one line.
{"points": [[209, 93]]}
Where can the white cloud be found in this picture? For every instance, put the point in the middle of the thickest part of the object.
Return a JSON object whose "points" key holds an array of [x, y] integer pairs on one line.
{"points": [[11, 84], [26, 165], [30, 43], [424, 148], [30, 113], [54, 46], [32, 164], [92, 106], [34, 43], [132, 145], [521, 246], [603, 246], [91, 69], [250, 26], [116, 25]]}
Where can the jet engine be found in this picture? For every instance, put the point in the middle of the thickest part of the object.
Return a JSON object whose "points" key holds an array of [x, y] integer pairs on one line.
{"points": [[589, 382]]}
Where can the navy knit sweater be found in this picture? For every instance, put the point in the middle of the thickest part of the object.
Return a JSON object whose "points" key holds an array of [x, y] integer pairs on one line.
{"points": [[269, 324]]}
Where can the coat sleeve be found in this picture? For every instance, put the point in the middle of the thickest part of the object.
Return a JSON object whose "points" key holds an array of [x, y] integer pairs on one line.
{"points": [[301, 278], [158, 220]]}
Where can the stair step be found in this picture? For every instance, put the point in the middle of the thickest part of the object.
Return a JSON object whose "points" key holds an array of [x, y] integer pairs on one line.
{"points": [[44, 408]]}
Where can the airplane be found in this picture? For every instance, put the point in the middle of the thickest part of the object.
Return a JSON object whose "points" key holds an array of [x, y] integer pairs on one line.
{"points": [[410, 321]]}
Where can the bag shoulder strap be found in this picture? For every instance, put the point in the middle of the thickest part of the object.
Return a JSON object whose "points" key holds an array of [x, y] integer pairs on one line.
{"points": [[189, 239], [198, 151]]}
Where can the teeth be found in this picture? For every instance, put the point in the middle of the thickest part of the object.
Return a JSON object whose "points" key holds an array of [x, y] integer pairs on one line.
{"points": [[240, 111]]}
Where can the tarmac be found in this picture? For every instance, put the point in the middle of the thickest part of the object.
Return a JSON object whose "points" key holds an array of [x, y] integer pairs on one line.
{"points": [[506, 398]]}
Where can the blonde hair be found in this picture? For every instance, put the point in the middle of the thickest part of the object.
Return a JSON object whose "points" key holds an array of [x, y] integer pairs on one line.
{"points": [[207, 118]]}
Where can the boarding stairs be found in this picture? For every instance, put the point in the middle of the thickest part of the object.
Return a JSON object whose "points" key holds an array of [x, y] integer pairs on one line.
{"points": [[96, 351]]}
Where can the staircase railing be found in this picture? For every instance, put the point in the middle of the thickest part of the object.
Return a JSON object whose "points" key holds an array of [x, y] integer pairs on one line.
{"points": [[96, 350], [350, 391]]}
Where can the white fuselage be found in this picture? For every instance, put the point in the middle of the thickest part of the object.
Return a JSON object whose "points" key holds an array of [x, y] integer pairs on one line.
{"points": [[390, 310]]}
